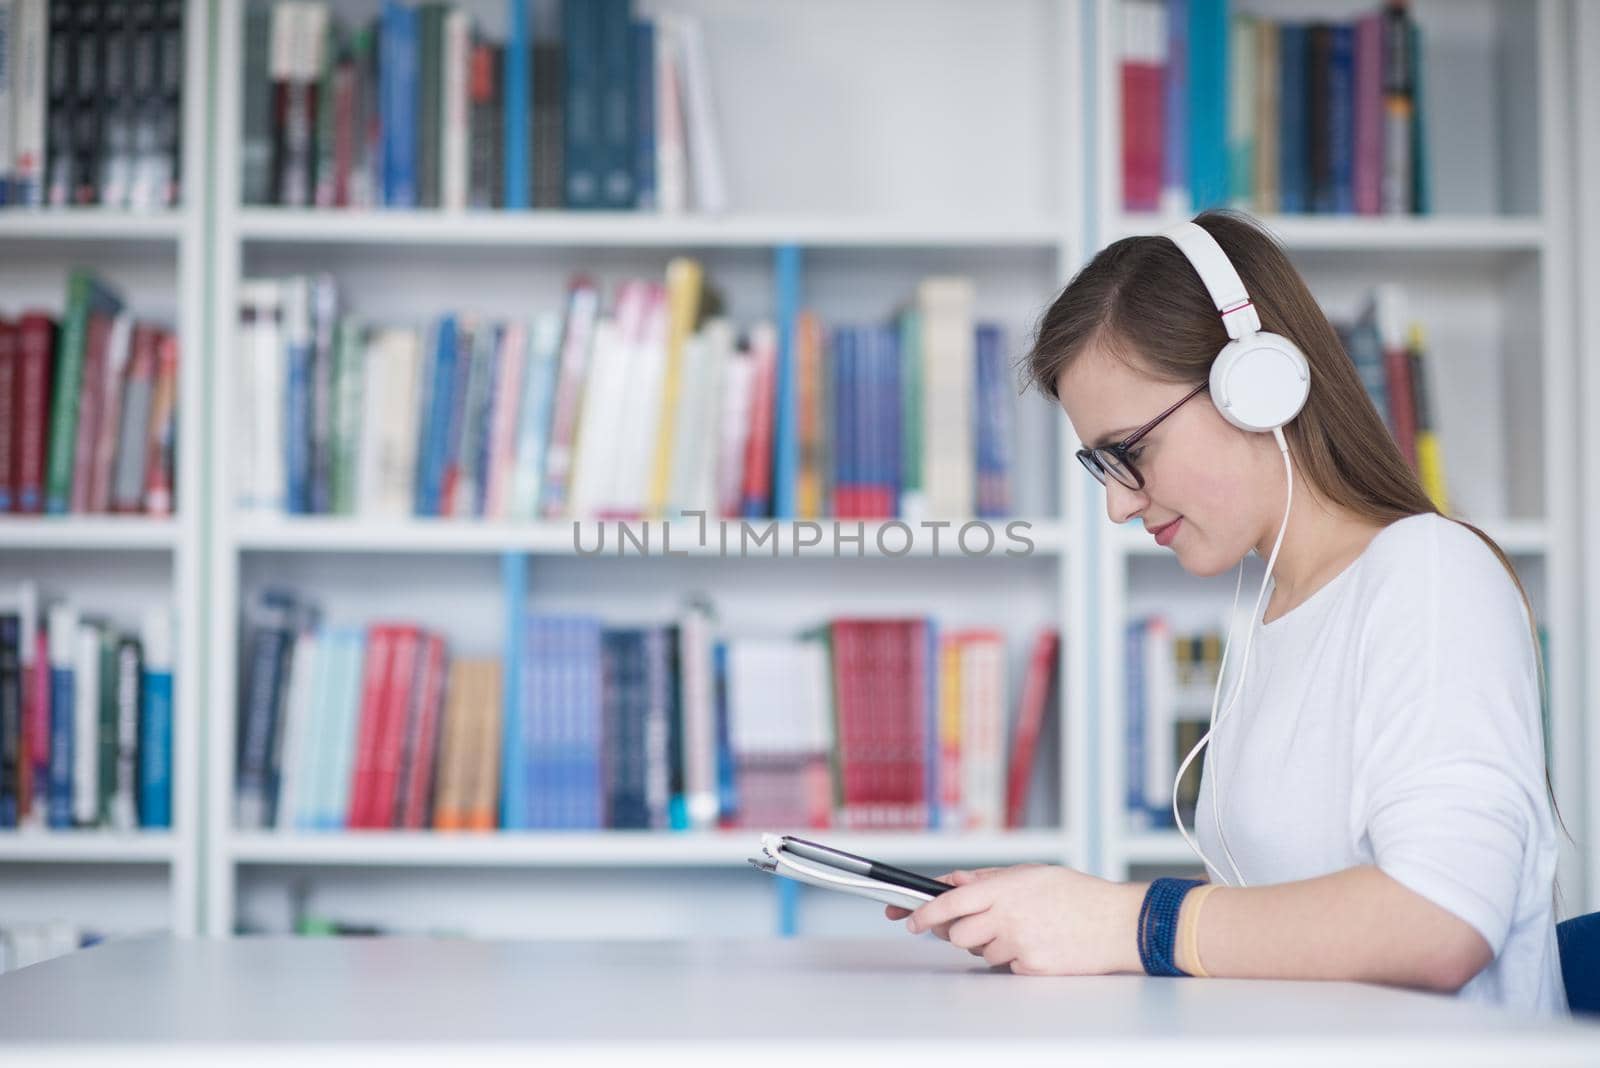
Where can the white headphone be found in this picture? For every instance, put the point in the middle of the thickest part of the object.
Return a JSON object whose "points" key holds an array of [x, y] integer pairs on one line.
{"points": [[1259, 382]]}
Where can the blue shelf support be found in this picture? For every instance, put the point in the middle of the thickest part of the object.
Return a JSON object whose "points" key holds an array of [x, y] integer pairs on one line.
{"points": [[786, 264], [513, 785]]}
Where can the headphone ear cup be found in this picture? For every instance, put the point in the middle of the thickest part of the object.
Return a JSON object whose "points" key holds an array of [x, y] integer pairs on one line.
{"points": [[1260, 382]]}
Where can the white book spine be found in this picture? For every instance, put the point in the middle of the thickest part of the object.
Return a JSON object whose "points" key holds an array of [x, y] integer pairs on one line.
{"points": [[644, 385], [699, 718], [398, 462], [454, 120], [688, 424], [86, 726], [1160, 737], [740, 373], [124, 805], [347, 703], [705, 150], [507, 408], [598, 447], [295, 728], [374, 404], [672, 154], [267, 393], [533, 429], [948, 385], [29, 97], [719, 353]]}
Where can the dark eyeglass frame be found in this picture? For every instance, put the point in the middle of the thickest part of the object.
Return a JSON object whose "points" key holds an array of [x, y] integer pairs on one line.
{"points": [[1118, 451]]}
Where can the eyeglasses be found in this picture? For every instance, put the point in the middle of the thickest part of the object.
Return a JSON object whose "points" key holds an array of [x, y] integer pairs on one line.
{"points": [[1116, 460]]}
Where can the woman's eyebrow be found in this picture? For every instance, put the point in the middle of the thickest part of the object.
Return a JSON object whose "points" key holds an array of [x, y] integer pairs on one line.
{"points": [[1111, 437]]}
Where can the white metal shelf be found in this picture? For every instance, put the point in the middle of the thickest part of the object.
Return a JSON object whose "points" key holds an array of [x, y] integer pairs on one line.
{"points": [[1518, 537], [1399, 233], [625, 849], [1157, 847], [563, 538], [565, 229], [128, 532], [87, 847], [91, 224]]}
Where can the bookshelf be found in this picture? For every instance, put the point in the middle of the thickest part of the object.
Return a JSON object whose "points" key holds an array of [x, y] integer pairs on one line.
{"points": [[1586, 92], [99, 880], [1488, 275], [862, 205]]}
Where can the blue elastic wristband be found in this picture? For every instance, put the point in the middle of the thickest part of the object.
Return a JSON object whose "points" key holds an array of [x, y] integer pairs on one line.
{"points": [[1158, 925]]}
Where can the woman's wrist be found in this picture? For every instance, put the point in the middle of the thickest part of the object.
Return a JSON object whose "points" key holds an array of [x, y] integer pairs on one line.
{"points": [[1186, 951], [1128, 959]]}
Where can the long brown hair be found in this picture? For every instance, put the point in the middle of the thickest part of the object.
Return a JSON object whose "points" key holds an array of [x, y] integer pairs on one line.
{"points": [[1140, 300]]}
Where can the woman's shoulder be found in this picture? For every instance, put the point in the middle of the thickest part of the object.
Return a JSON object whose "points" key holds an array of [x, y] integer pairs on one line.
{"points": [[1429, 557]]}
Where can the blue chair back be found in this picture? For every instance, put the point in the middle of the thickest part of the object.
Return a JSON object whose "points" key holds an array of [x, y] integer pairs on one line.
{"points": [[1579, 943]]}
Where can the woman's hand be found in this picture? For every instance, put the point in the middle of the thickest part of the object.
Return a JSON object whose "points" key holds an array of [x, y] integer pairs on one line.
{"points": [[1039, 919]]}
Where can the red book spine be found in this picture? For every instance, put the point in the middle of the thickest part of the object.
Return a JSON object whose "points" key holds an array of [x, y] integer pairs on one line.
{"points": [[390, 743], [375, 675], [1042, 667], [914, 651], [1142, 135], [344, 131], [758, 446], [37, 347], [848, 722], [874, 714], [10, 400], [419, 772], [38, 712], [1402, 405], [91, 406], [158, 467]]}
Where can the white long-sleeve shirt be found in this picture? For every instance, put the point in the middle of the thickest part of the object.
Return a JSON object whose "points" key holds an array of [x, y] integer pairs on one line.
{"points": [[1392, 718]]}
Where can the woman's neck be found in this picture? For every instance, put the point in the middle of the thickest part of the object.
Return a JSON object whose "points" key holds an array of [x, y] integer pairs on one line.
{"points": [[1322, 540]]}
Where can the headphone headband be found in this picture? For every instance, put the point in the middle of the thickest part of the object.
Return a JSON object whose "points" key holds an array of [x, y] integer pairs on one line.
{"points": [[1221, 280]]}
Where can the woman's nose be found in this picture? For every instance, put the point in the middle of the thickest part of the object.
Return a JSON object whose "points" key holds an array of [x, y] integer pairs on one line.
{"points": [[1122, 503]]}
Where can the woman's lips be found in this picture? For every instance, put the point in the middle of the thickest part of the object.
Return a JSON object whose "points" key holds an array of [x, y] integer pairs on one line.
{"points": [[1164, 534]]}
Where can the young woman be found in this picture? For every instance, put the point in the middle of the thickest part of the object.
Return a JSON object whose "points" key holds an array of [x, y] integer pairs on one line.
{"points": [[1374, 804]]}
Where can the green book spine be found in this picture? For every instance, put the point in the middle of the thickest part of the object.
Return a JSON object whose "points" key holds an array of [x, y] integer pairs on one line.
{"points": [[346, 415], [430, 101], [911, 408], [64, 399], [108, 724]]}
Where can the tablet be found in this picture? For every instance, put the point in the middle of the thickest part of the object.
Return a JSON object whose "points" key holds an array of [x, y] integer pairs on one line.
{"points": [[888, 873]]}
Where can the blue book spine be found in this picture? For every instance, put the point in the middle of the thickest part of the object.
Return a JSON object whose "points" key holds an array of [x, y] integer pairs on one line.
{"points": [[869, 441], [580, 24], [515, 99], [786, 437], [1342, 117], [297, 422], [727, 781], [644, 114], [1175, 149], [1134, 727], [1208, 103], [1294, 145], [844, 353], [398, 59], [62, 698], [617, 97], [484, 446], [591, 799], [889, 431], [513, 588], [431, 470], [155, 750]]}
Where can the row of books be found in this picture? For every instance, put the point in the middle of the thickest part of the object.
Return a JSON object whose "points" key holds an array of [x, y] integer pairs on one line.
{"points": [[1171, 678], [25, 944], [651, 407], [582, 106], [88, 408], [1389, 353], [85, 717], [1319, 117], [859, 723], [91, 102]]}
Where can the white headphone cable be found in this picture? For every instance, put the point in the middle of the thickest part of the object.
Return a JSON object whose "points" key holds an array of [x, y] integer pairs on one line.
{"points": [[1255, 616]]}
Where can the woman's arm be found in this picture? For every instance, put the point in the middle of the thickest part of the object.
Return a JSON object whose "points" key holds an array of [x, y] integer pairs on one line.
{"points": [[1355, 924]]}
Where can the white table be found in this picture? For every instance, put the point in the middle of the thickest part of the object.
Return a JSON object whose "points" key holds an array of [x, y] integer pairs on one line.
{"points": [[915, 1001]]}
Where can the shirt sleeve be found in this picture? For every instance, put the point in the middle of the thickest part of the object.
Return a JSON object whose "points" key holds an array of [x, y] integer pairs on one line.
{"points": [[1449, 762]]}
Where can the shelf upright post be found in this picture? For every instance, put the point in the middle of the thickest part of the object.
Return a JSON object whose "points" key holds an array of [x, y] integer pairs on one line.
{"points": [[513, 784]]}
